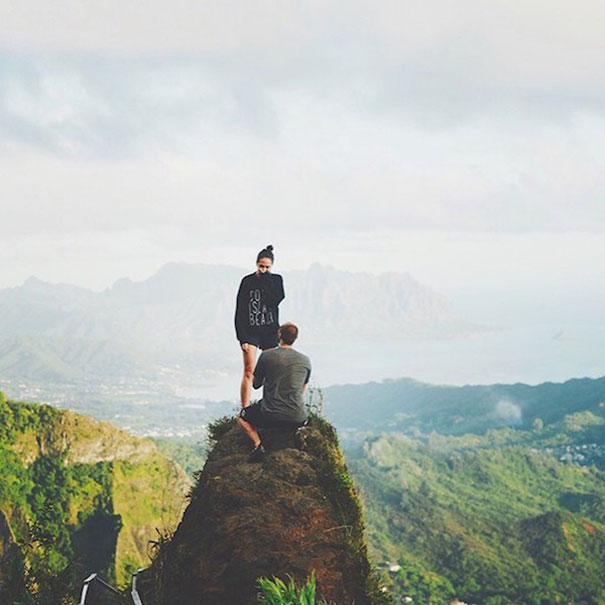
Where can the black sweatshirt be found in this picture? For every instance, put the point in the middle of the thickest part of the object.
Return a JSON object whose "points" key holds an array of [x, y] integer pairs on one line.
{"points": [[256, 309]]}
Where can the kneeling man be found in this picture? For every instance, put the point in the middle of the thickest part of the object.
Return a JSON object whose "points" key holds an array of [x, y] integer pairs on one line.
{"points": [[284, 374]]}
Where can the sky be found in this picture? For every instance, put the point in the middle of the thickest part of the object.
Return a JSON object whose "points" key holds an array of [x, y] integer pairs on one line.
{"points": [[463, 142]]}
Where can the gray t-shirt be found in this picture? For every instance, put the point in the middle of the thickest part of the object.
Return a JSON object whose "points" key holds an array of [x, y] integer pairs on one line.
{"points": [[283, 372]]}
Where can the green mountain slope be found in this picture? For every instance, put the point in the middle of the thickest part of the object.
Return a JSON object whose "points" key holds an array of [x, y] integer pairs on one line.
{"points": [[77, 496], [490, 519], [407, 405]]}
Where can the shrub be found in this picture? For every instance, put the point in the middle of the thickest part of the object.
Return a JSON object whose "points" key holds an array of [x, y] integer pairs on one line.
{"points": [[218, 428], [277, 592]]}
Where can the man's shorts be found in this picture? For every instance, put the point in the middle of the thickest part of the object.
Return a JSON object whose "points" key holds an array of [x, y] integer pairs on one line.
{"points": [[254, 415], [263, 340]]}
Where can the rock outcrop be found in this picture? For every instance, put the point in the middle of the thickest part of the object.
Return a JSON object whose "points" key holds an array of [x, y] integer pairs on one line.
{"points": [[78, 495], [294, 513]]}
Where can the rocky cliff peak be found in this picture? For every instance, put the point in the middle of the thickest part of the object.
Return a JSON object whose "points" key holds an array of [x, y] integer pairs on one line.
{"points": [[294, 513]]}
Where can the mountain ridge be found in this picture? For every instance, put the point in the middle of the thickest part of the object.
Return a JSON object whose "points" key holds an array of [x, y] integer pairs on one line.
{"points": [[185, 312], [409, 405], [497, 519], [77, 496]]}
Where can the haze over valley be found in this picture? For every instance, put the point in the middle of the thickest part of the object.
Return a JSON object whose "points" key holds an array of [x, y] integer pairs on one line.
{"points": [[159, 356]]}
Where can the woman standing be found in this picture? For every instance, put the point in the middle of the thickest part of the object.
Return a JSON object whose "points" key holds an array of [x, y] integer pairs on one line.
{"points": [[257, 315]]}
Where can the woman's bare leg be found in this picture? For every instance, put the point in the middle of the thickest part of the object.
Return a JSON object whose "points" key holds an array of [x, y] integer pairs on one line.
{"points": [[246, 386]]}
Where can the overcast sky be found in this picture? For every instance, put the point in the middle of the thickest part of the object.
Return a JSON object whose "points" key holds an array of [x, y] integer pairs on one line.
{"points": [[463, 142]]}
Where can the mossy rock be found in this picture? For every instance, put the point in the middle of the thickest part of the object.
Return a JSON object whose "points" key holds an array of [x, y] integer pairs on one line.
{"points": [[293, 514]]}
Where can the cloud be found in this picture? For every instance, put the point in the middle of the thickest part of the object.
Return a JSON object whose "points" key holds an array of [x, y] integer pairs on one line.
{"points": [[331, 121], [435, 63], [319, 167], [104, 107], [508, 411]]}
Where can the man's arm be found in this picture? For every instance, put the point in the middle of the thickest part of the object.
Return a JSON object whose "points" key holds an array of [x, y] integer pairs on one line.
{"points": [[304, 388], [259, 373]]}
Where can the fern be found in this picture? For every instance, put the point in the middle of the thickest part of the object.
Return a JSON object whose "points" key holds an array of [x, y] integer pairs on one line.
{"points": [[277, 592]]}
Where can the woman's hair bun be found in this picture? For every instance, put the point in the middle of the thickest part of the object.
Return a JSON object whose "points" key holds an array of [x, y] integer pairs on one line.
{"points": [[266, 253]]}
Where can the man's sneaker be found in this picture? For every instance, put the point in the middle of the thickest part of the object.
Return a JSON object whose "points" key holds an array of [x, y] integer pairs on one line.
{"points": [[257, 454]]}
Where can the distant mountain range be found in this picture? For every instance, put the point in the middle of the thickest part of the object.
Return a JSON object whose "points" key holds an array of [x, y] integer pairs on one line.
{"points": [[410, 406], [183, 317]]}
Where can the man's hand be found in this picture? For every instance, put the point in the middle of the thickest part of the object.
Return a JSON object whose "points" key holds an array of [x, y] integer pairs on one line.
{"points": [[245, 347]]}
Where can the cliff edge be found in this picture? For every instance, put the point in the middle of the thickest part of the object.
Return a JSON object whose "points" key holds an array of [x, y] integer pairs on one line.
{"points": [[77, 496], [294, 513]]}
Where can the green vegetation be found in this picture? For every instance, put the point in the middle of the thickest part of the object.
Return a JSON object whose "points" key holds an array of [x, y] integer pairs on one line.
{"points": [[500, 516], [493, 519], [276, 592], [190, 457], [218, 428], [409, 406], [76, 496]]}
